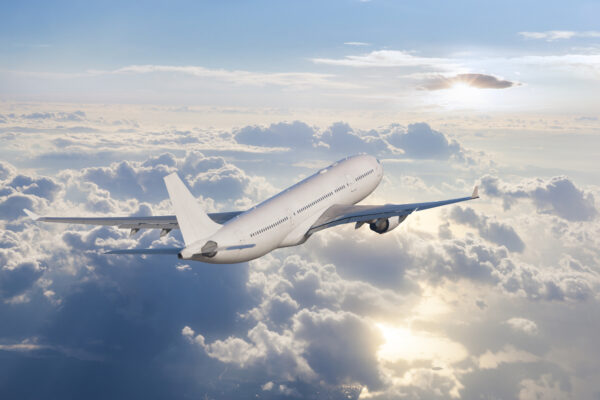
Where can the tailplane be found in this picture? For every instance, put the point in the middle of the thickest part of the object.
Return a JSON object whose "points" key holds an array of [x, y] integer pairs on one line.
{"points": [[194, 223]]}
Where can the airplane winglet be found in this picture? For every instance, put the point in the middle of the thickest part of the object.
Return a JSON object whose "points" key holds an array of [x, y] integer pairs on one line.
{"points": [[31, 214], [475, 194]]}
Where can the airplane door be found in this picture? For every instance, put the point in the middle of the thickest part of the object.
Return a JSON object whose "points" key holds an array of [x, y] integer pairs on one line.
{"points": [[290, 215], [350, 183]]}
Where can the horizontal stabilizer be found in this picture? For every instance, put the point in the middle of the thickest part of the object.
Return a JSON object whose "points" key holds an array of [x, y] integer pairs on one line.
{"points": [[164, 250]]}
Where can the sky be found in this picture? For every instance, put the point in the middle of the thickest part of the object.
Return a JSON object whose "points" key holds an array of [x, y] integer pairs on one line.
{"points": [[495, 298]]}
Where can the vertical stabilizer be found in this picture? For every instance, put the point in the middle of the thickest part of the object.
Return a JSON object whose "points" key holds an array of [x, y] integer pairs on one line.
{"points": [[194, 223]]}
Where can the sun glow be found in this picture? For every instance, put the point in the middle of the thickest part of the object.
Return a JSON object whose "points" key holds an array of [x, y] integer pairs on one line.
{"points": [[464, 94], [461, 95], [403, 343]]}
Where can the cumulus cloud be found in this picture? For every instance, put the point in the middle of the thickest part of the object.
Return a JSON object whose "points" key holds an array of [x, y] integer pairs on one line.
{"points": [[523, 325], [480, 81], [301, 320], [333, 347], [16, 279], [295, 135], [19, 191], [420, 141], [557, 195], [207, 176], [492, 230], [509, 354]]}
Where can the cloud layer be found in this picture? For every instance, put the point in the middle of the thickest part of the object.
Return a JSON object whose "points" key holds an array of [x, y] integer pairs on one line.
{"points": [[469, 301]]}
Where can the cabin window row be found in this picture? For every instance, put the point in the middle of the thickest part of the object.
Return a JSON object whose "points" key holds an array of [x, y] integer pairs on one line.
{"points": [[266, 228], [369, 172], [340, 188], [315, 202]]}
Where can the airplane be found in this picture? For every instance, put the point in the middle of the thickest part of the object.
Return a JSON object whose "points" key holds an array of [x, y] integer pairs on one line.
{"points": [[323, 200]]}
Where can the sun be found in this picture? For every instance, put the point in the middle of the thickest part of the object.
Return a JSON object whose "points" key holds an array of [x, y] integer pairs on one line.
{"points": [[463, 93]]}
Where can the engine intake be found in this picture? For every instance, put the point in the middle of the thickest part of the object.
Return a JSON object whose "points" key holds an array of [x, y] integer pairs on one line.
{"points": [[383, 225]]}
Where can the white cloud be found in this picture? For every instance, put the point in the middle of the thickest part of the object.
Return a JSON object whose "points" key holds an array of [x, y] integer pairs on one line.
{"points": [[558, 195], [508, 354], [543, 388], [356, 44], [391, 58], [298, 80], [523, 325], [557, 35], [303, 319], [488, 228]]}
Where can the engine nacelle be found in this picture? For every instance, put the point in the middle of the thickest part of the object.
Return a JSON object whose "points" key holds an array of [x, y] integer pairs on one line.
{"points": [[383, 225]]}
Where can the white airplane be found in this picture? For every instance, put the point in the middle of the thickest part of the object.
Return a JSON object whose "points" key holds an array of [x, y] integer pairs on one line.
{"points": [[321, 201]]}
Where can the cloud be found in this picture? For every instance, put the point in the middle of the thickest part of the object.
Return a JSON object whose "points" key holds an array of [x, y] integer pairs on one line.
{"points": [[491, 230], [480, 81], [296, 135], [543, 388], [558, 35], [207, 176], [356, 44], [508, 354], [297, 80], [75, 116], [523, 325], [302, 320], [558, 196], [390, 58], [336, 348], [17, 279], [421, 142]]}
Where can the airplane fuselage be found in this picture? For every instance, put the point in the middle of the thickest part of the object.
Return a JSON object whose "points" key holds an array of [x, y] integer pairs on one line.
{"points": [[284, 219]]}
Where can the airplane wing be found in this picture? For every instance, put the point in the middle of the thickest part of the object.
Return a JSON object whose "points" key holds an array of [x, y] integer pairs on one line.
{"points": [[344, 214], [166, 223]]}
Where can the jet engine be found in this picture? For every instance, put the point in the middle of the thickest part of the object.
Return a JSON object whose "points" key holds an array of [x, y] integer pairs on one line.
{"points": [[383, 225]]}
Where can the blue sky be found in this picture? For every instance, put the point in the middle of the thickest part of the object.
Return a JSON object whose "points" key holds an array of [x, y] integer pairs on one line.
{"points": [[265, 34], [76, 48], [98, 102]]}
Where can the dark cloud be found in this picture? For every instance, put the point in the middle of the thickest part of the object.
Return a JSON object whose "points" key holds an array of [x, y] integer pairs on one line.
{"points": [[19, 278], [480, 81]]}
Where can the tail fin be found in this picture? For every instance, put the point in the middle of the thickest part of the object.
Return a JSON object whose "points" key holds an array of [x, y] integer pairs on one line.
{"points": [[194, 223]]}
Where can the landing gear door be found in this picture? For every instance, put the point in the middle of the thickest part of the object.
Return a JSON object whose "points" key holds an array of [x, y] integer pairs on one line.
{"points": [[350, 183]]}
